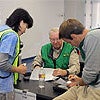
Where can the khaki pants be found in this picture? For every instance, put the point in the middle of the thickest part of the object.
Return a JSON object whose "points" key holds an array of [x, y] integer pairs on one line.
{"points": [[7, 96], [80, 93]]}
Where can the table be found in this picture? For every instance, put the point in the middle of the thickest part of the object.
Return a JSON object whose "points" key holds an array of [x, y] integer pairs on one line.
{"points": [[46, 93]]}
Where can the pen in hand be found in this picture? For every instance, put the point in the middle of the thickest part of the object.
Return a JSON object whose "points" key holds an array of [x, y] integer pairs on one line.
{"points": [[74, 80], [72, 76]]}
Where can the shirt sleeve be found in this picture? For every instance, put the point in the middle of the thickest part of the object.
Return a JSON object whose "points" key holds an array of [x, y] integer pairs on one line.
{"points": [[74, 66], [37, 60], [4, 62], [8, 44], [92, 61]]}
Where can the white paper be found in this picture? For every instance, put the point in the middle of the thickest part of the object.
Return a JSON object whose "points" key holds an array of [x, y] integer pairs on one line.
{"points": [[61, 81], [48, 74]]}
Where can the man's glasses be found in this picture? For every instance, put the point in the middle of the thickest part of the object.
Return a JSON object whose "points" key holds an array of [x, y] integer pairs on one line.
{"points": [[53, 40]]}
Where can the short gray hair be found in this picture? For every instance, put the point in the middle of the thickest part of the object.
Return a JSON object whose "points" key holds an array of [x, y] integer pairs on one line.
{"points": [[55, 29]]}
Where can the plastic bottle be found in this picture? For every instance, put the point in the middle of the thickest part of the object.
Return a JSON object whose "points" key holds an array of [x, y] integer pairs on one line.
{"points": [[41, 78]]}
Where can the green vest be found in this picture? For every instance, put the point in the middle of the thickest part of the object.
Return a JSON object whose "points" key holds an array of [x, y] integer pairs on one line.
{"points": [[62, 61], [15, 62]]}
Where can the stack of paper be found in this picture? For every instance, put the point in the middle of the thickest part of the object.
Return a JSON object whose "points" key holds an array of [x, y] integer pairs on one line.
{"points": [[48, 74]]}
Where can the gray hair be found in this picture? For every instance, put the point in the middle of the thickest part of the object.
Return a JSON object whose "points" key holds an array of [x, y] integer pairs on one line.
{"points": [[55, 29]]}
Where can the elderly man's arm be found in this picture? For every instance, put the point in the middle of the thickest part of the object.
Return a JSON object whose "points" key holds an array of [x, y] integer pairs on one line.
{"points": [[38, 62], [74, 65]]}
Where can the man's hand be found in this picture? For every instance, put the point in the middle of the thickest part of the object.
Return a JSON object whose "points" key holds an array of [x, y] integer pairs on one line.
{"points": [[75, 81], [59, 72]]}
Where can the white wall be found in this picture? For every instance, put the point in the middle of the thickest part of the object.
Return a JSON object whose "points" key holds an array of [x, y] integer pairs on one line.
{"points": [[46, 14], [74, 9]]}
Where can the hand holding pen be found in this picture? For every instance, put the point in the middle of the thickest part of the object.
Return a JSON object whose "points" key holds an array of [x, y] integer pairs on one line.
{"points": [[74, 80], [59, 72]]}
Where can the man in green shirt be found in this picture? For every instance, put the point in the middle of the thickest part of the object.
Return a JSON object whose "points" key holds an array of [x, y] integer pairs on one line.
{"points": [[59, 55]]}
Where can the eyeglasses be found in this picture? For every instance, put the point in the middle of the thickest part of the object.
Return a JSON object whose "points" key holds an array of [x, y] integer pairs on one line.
{"points": [[53, 40]]}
